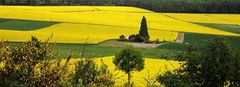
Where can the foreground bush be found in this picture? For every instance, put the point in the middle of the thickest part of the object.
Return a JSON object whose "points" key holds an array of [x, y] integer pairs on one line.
{"points": [[33, 64], [88, 74], [30, 64], [215, 66]]}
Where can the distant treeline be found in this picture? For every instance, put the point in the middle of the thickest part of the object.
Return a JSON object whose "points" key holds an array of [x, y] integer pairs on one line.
{"points": [[189, 6]]}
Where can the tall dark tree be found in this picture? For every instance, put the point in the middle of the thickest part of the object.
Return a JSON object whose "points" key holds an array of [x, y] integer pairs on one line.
{"points": [[144, 30]]}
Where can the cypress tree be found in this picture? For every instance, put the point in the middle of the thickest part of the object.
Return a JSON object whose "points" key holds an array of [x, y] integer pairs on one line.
{"points": [[144, 30]]}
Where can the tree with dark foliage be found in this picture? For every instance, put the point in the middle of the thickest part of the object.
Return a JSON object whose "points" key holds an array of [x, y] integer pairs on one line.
{"points": [[88, 74], [214, 66], [143, 33], [31, 65]]}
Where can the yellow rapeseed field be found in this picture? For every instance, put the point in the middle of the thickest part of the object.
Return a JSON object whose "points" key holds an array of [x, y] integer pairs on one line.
{"points": [[77, 8], [152, 68], [96, 23], [80, 33], [207, 18]]}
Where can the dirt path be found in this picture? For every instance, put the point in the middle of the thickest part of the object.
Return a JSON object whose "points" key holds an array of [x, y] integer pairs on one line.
{"points": [[115, 43], [180, 38], [146, 45]]}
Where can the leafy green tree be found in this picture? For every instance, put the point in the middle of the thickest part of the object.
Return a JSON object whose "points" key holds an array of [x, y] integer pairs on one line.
{"points": [[208, 67], [234, 72], [214, 66], [143, 33], [214, 63], [128, 60]]}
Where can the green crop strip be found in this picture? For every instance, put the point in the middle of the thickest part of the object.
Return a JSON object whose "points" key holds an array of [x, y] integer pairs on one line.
{"points": [[23, 25]]}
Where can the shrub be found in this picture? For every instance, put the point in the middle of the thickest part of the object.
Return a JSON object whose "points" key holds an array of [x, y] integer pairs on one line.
{"points": [[214, 66], [31, 64], [171, 79], [122, 37], [88, 74], [234, 72], [150, 81]]}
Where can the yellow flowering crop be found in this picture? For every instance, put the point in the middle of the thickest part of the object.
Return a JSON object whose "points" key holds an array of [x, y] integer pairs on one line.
{"points": [[207, 18], [77, 8], [152, 67], [96, 23], [80, 33]]}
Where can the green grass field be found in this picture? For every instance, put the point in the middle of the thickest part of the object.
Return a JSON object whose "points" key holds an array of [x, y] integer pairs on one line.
{"points": [[201, 40], [23, 25], [225, 27], [75, 50]]}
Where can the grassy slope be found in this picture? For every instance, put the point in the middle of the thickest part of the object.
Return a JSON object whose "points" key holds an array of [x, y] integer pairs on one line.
{"points": [[100, 51], [201, 40], [224, 27], [64, 50], [23, 25], [3, 20]]}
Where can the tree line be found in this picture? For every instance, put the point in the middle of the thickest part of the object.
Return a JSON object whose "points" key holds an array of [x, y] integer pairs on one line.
{"points": [[188, 6]]}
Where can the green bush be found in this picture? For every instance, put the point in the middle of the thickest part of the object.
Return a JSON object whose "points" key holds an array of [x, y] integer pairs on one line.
{"points": [[214, 66], [171, 79], [31, 64], [88, 74]]}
